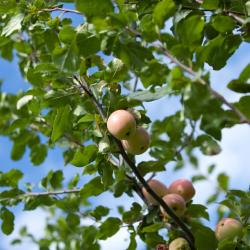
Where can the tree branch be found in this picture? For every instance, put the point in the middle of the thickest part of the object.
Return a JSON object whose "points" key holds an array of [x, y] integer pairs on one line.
{"points": [[134, 169], [60, 9], [189, 70], [49, 193], [233, 14]]}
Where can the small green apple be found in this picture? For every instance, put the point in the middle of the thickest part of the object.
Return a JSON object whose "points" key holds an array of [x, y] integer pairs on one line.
{"points": [[228, 228]]}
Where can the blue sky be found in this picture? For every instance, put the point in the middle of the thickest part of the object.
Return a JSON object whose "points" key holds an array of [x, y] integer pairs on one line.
{"points": [[235, 145]]}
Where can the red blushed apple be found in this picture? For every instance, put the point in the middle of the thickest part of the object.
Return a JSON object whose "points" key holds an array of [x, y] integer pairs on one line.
{"points": [[184, 188], [121, 124], [228, 228], [175, 202], [161, 247], [158, 187], [138, 143], [179, 244]]}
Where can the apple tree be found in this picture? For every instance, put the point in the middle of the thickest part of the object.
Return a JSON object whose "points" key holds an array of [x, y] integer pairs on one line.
{"points": [[86, 60]]}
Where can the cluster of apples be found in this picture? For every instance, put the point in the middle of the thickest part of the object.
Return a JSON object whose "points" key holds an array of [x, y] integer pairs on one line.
{"points": [[227, 228], [136, 140], [122, 125], [175, 196]]}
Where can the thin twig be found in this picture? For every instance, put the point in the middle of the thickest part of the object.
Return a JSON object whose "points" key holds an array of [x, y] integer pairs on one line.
{"points": [[134, 169], [236, 18], [242, 117], [36, 194], [61, 9], [135, 84]]}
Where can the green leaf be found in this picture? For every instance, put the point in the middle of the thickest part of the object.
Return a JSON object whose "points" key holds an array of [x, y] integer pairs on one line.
{"points": [[133, 243], [204, 238], [217, 51], [87, 118], [17, 151], [84, 155], [7, 6], [116, 71], [243, 105], [198, 177], [148, 28], [66, 58], [11, 193], [11, 178], [150, 95], [153, 228], [133, 54], [208, 145], [73, 220], [87, 43], [33, 202], [223, 23], [227, 244], [38, 153], [7, 221], [154, 73], [133, 214], [248, 7], [190, 30], [23, 101], [107, 174], [108, 228], [94, 8], [67, 34], [56, 179], [240, 85], [89, 238], [14, 24], [100, 212], [92, 188], [62, 122], [120, 187], [245, 74], [223, 181], [211, 168], [210, 4], [162, 11], [197, 211], [146, 167]]}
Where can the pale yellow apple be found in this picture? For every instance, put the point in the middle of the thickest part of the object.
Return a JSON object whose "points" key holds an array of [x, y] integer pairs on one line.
{"points": [[184, 188], [175, 202], [138, 143], [121, 124], [158, 187]]}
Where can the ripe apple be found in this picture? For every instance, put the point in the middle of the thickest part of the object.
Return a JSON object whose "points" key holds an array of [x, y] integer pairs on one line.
{"points": [[121, 124], [158, 187], [228, 228], [175, 202], [179, 244], [184, 188], [138, 143]]}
